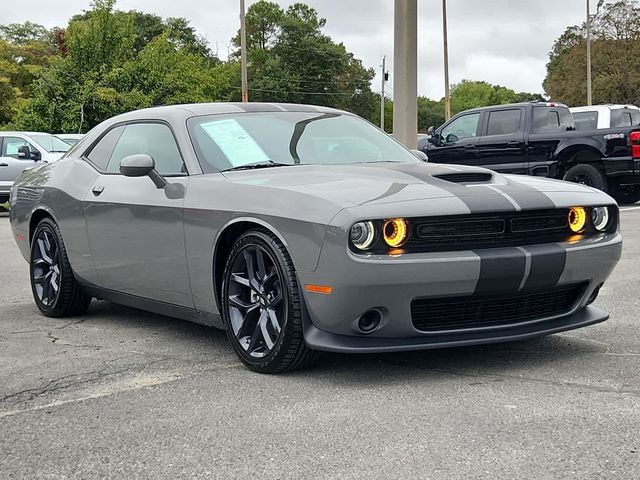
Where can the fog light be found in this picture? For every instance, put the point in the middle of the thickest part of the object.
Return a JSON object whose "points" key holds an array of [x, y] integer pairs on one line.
{"points": [[577, 219], [395, 232], [600, 218]]}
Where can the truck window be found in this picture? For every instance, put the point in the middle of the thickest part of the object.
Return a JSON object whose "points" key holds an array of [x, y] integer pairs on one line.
{"points": [[504, 122], [465, 126], [586, 120], [554, 119], [621, 118]]}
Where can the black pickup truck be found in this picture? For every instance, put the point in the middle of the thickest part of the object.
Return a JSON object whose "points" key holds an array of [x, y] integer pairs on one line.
{"points": [[540, 139]]}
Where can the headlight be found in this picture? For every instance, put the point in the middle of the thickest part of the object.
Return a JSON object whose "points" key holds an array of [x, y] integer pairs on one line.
{"points": [[600, 218], [395, 232], [362, 235], [577, 219]]}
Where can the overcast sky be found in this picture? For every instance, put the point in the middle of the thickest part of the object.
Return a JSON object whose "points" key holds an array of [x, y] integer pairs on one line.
{"points": [[504, 42]]}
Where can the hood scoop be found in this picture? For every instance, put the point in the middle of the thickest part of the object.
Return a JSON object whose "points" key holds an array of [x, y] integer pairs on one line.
{"points": [[466, 177]]}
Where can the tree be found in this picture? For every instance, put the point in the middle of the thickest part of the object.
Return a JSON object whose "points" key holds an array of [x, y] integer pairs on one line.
{"points": [[472, 94], [614, 58]]}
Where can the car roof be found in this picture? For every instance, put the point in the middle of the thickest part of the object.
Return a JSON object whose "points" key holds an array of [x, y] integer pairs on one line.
{"points": [[602, 108], [183, 111], [518, 104], [16, 132]]}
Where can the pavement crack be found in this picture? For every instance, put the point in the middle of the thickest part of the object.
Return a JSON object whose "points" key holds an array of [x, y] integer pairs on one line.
{"points": [[53, 339]]}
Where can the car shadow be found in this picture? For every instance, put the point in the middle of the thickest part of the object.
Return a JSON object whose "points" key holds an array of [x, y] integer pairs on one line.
{"points": [[493, 360]]}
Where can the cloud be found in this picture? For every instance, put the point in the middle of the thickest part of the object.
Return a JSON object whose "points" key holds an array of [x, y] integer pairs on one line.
{"points": [[504, 42]]}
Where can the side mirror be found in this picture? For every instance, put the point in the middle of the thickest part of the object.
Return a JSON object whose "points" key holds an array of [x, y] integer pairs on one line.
{"points": [[142, 165], [430, 130], [421, 155], [24, 151]]}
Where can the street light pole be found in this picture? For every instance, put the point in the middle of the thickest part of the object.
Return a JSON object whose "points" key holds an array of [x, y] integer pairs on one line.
{"points": [[447, 98], [589, 99], [405, 72], [243, 55]]}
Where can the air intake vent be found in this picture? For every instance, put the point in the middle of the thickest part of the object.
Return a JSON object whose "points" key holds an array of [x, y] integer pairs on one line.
{"points": [[465, 177]]}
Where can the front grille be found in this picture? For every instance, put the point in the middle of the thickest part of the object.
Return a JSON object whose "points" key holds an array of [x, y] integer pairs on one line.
{"points": [[464, 232], [466, 177], [456, 313]]}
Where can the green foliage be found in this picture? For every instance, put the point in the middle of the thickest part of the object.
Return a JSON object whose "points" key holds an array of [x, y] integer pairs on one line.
{"points": [[615, 59], [470, 94]]}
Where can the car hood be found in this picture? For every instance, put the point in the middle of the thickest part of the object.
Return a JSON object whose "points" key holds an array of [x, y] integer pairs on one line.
{"points": [[392, 182]]}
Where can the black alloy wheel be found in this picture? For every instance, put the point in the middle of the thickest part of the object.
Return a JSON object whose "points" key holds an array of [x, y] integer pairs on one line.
{"points": [[46, 267], [55, 289], [261, 305], [255, 296]]}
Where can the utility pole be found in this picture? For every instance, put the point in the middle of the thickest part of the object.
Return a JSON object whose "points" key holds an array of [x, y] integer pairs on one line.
{"points": [[447, 98], [384, 79], [243, 55], [589, 100], [405, 72]]}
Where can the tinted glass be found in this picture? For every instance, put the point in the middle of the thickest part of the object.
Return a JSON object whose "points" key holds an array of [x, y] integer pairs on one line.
{"points": [[226, 141], [101, 152], [586, 120], [465, 126], [504, 122], [635, 116], [10, 146], [50, 143], [621, 118], [555, 119], [153, 139]]}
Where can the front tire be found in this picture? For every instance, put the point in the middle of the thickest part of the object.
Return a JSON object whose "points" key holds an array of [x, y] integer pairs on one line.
{"points": [[55, 289], [261, 305]]}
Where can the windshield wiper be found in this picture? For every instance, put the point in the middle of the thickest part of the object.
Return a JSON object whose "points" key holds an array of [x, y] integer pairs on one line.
{"points": [[251, 166]]}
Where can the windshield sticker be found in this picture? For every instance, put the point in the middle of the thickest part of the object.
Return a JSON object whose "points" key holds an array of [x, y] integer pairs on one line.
{"points": [[235, 142]]}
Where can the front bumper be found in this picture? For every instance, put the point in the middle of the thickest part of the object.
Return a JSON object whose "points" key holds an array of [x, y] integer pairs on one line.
{"points": [[390, 283]]}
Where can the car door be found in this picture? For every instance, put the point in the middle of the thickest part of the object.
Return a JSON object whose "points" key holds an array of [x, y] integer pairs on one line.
{"points": [[135, 229], [548, 126], [457, 141], [11, 164], [501, 146]]}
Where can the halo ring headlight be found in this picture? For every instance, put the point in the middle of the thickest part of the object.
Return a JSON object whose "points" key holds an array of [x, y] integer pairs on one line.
{"points": [[600, 218], [577, 219], [363, 235], [395, 232]]}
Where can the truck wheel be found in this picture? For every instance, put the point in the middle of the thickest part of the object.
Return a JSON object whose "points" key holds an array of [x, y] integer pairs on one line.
{"points": [[587, 174], [627, 197]]}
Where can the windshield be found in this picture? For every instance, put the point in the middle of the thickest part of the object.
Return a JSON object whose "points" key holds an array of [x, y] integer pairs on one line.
{"points": [[50, 143], [230, 141]]}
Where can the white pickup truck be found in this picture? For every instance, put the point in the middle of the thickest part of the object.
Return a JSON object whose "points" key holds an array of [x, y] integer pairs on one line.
{"points": [[21, 150], [605, 116]]}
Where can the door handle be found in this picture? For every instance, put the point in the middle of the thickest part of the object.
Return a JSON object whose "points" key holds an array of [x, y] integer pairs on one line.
{"points": [[97, 190], [469, 147], [4, 164], [514, 144]]}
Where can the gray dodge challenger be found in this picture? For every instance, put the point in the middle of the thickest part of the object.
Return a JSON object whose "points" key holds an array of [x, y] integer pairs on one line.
{"points": [[300, 229]]}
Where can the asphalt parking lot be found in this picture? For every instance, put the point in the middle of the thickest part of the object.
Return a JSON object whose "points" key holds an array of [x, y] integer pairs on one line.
{"points": [[120, 393]]}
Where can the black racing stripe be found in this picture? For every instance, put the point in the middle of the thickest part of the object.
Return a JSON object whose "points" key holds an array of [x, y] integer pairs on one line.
{"points": [[501, 270], [392, 190], [529, 198], [488, 201], [547, 265]]}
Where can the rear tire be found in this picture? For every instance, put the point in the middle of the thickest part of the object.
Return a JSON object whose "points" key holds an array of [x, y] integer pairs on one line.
{"points": [[55, 289], [587, 174], [261, 305]]}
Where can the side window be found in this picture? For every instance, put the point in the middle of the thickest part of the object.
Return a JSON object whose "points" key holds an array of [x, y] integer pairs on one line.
{"points": [[465, 126], [10, 147], [504, 122], [626, 119], [545, 120], [101, 152], [586, 120], [154, 139]]}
